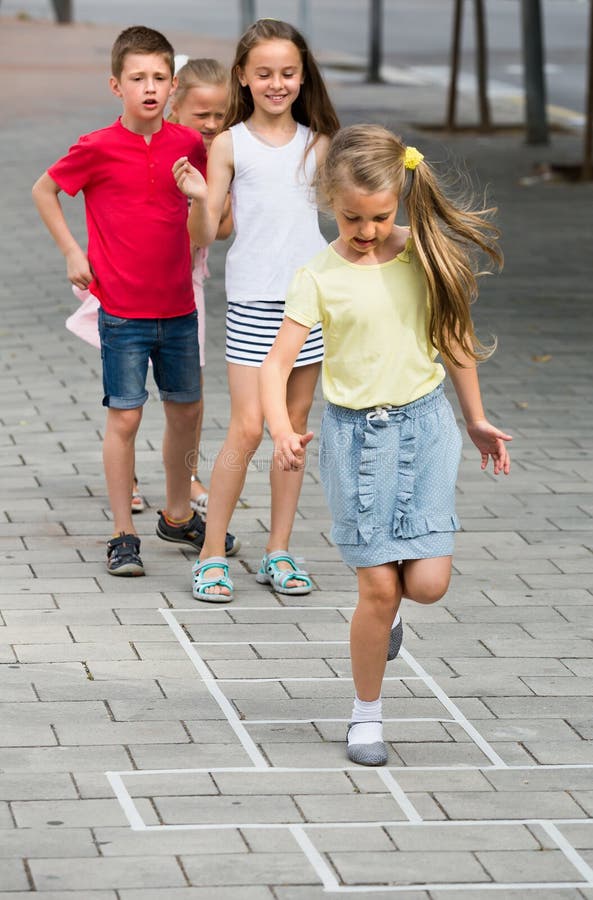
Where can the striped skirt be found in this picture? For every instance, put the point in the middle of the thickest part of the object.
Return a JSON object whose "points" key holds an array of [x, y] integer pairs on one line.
{"points": [[251, 329]]}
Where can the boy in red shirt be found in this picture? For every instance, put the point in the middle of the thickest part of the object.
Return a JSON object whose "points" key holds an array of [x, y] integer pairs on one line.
{"points": [[139, 267]]}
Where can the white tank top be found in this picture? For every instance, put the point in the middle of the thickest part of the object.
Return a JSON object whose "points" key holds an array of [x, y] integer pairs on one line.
{"points": [[274, 213]]}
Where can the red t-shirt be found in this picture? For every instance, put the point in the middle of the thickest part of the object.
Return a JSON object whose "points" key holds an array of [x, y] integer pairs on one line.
{"points": [[138, 245]]}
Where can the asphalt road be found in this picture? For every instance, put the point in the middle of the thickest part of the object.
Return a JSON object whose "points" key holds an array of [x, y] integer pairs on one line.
{"points": [[416, 34]]}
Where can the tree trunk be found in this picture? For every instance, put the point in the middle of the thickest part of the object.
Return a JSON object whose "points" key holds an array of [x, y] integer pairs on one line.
{"points": [[455, 54], [64, 11]]}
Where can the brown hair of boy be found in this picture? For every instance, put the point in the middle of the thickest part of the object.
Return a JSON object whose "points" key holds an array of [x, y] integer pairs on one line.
{"points": [[139, 39]]}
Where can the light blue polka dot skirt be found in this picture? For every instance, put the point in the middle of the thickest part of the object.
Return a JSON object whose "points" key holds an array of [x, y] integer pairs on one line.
{"points": [[389, 476]]}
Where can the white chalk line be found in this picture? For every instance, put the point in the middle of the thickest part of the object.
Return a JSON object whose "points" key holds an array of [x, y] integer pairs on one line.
{"points": [[126, 802], [379, 823], [303, 643], [257, 758], [467, 886], [318, 863], [320, 867], [140, 773], [413, 664], [297, 678], [400, 797], [571, 854], [413, 818], [316, 721], [452, 707]]}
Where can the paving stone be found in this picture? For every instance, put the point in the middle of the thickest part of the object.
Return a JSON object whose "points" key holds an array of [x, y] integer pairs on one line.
{"points": [[506, 805], [188, 756], [514, 666], [254, 868], [482, 685], [248, 892], [89, 892], [408, 868], [45, 842], [83, 652], [27, 617], [510, 894], [121, 733], [78, 813], [73, 874], [124, 842], [537, 707], [138, 669], [561, 752], [114, 691], [63, 759], [39, 787], [526, 730], [318, 893], [98, 633], [528, 865], [471, 838]]}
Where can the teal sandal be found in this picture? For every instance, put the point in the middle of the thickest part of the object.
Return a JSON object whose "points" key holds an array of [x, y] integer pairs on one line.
{"points": [[201, 582], [270, 573]]}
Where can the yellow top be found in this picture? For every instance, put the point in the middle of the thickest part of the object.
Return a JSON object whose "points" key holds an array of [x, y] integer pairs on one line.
{"points": [[375, 322]]}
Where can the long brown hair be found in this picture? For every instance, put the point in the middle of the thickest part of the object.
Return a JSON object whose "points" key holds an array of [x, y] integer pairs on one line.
{"points": [[446, 234], [312, 107]]}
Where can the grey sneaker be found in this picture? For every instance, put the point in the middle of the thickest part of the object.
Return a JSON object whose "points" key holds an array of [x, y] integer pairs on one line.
{"points": [[395, 640], [374, 754]]}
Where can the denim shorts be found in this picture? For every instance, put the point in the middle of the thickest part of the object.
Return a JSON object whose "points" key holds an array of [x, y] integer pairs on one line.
{"points": [[128, 344], [389, 476]]}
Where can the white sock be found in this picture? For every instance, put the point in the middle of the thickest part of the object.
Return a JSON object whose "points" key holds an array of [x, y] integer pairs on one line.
{"points": [[367, 727], [396, 621]]}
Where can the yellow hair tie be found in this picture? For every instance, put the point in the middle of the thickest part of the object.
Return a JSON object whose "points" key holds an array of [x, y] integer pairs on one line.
{"points": [[412, 157]]}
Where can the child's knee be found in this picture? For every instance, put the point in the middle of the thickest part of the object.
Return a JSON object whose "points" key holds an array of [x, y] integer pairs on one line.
{"points": [[246, 436], [124, 422], [382, 603], [430, 592], [183, 415]]}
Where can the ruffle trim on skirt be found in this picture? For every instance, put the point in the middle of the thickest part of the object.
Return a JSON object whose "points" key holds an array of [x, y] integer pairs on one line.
{"points": [[406, 524]]}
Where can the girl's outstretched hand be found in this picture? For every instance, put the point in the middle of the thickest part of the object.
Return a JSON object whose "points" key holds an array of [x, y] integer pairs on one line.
{"points": [[289, 450], [191, 182], [490, 441]]}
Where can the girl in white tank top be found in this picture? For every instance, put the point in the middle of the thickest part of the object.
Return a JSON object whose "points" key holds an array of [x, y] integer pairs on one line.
{"points": [[276, 132]]}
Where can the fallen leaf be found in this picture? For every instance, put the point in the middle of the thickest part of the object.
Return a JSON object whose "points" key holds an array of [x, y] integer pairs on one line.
{"points": [[542, 357]]}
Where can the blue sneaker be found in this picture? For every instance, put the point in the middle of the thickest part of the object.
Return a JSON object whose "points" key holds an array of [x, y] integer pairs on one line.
{"points": [[123, 555], [193, 534]]}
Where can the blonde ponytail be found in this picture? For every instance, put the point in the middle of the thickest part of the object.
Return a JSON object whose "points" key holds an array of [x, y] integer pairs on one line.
{"points": [[446, 236]]}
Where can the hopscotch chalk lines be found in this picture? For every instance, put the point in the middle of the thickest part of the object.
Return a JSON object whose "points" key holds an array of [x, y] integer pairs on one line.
{"points": [[279, 781]]}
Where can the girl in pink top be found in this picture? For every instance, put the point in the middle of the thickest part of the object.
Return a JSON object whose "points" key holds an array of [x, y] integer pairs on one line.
{"points": [[199, 102]]}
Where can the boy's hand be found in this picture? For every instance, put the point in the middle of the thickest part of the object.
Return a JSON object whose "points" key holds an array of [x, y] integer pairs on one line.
{"points": [[78, 268], [491, 442], [189, 180], [289, 450]]}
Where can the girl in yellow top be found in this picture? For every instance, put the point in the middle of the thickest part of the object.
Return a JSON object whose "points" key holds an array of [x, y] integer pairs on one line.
{"points": [[390, 300]]}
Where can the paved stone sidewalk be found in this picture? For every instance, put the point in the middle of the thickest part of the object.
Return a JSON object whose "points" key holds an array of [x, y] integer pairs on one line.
{"points": [[153, 748]]}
